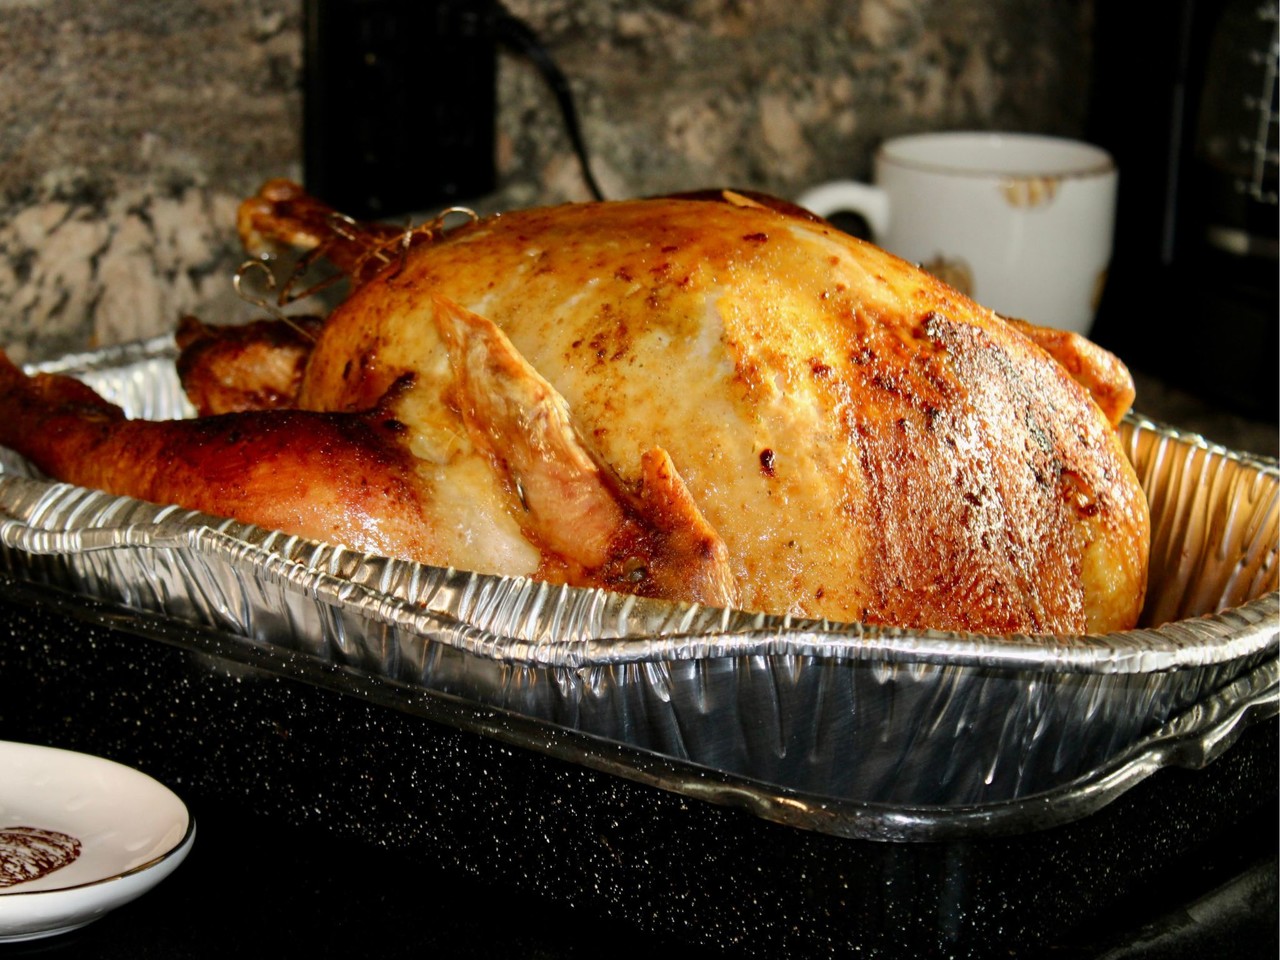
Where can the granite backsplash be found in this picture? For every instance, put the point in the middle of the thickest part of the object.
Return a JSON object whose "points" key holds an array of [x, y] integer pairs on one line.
{"points": [[131, 130]]}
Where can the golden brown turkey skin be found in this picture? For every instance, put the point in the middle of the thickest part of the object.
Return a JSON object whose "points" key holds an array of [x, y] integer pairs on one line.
{"points": [[868, 443], [360, 479], [337, 478], [691, 399], [255, 366], [1097, 370]]}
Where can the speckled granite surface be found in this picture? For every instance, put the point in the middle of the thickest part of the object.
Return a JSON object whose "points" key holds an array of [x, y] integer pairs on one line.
{"points": [[129, 132]]}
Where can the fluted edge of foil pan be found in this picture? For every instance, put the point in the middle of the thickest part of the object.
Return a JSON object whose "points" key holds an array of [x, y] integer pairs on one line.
{"points": [[515, 620], [1192, 741], [923, 728]]}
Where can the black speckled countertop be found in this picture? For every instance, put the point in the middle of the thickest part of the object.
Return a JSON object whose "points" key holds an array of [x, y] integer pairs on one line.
{"points": [[330, 825]]}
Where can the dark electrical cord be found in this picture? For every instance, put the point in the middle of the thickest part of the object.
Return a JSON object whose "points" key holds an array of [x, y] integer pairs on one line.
{"points": [[518, 37]]}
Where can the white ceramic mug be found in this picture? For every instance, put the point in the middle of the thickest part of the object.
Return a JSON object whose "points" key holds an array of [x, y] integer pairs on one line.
{"points": [[1021, 223]]}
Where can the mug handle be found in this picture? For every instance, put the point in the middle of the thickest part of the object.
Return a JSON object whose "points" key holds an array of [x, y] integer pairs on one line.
{"points": [[852, 196]]}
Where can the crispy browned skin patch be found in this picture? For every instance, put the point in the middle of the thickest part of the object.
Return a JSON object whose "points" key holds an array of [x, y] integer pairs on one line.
{"points": [[1097, 370]]}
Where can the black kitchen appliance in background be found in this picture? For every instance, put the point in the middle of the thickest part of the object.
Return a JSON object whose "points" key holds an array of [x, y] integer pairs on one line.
{"points": [[398, 103], [1187, 104]]}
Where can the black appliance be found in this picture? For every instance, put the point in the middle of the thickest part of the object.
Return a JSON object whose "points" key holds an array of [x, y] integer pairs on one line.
{"points": [[1185, 98]]}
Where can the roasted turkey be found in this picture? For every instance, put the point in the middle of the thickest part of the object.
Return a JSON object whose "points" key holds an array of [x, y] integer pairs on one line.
{"points": [[715, 398]]}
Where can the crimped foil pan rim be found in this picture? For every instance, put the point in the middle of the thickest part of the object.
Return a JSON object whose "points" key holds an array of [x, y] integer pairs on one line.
{"points": [[1257, 460], [1218, 638], [121, 354], [1191, 740]]}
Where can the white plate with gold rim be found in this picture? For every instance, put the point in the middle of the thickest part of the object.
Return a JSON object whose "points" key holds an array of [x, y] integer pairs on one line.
{"points": [[79, 836]]}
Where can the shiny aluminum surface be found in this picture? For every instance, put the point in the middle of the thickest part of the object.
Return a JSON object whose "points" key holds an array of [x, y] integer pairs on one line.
{"points": [[843, 728]]}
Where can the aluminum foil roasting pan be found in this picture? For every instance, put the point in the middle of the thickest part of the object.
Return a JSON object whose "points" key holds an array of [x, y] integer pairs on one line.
{"points": [[846, 729]]}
